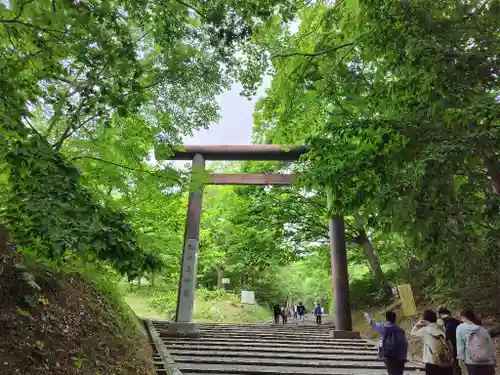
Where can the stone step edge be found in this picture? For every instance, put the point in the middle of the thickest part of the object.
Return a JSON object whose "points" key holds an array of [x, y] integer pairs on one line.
{"points": [[269, 354], [375, 363], [254, 343], [267, 342], [290, 356], [169, 364], [319, 350], [255, 370], [271, 349]]}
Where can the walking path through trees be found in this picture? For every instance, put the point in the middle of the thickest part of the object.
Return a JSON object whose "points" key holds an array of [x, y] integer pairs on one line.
{"points": [[229, 349]]}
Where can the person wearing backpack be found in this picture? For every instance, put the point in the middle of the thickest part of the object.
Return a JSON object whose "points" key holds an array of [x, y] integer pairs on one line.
{"points": [[450, 325], [285, 313], [393, 348], [475, 346], [318, 312], [438, 354], [301, 312]]}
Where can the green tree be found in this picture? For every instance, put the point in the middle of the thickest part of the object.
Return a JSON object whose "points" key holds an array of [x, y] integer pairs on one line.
{"points": [[96, 85], [398, 102]]}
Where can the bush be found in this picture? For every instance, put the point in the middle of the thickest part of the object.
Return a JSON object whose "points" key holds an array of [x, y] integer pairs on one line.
{"points": [[368, 291]]}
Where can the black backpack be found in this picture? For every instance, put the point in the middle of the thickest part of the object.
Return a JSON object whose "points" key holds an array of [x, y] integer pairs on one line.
{"points": [[394, 344]]}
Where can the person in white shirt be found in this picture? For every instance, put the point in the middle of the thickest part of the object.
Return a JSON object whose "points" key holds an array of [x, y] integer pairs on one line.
{"points": [[435, 345]]}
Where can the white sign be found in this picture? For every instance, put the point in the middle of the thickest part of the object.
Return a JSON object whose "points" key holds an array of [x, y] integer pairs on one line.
{"points": [[247, 297], [225, 280]]}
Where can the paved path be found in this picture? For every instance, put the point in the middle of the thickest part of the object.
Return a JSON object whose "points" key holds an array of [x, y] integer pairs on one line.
{"points": [[268, 349]]}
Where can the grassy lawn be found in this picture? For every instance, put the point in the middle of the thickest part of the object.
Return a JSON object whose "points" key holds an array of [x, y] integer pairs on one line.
{"points": [[225, 307]]}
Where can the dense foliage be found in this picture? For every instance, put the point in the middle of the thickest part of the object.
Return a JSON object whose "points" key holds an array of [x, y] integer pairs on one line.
{"points": [[87, 88], [398, 101]]}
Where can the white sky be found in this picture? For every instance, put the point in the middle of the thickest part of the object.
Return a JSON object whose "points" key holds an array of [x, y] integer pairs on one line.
{"points": [[236, 122]]}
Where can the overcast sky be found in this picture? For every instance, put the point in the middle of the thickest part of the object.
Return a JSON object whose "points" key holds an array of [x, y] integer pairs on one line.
{"points": [[235, 124]]}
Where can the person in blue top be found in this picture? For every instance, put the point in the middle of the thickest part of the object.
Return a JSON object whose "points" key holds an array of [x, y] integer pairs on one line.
{"points": [[393, 347], [301, 312], [475, 346], [318, 311]]}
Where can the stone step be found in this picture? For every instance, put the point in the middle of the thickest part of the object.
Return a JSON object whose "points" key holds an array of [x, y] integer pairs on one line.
{"points": [[269, 334], [297, 335], [291, 330], [325, 333], [279, 370], [278, 354], [324, 363], [253, 342], [263, 362], [275, 349], [290, 325], [280, 336], [250, 325]]}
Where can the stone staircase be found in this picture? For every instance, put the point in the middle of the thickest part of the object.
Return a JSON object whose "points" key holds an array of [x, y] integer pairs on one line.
{"points": [[265, 349]]}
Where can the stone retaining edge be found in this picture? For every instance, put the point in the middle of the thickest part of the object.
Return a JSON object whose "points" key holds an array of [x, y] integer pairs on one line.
{"points": [[170, 365]]}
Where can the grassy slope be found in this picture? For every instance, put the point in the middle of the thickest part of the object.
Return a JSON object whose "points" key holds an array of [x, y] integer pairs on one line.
{"points": [[57, 323], [224, 308]]}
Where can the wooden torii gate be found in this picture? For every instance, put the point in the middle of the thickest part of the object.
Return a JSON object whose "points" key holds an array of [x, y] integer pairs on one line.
{"points": [[198, 155]]}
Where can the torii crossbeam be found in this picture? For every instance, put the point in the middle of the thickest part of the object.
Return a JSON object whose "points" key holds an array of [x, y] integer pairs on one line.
{"points": [[199, 154]]}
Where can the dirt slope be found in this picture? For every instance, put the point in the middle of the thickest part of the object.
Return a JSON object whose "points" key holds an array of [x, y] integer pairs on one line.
{"points": [[56, 324]]}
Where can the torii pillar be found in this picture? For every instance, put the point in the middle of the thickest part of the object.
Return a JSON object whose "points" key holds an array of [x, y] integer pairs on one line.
{"points": [[187, 284]]}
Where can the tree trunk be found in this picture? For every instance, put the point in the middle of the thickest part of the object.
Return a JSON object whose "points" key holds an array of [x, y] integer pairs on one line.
{"points": [[371, 256], [220, 276], [3, 240], [493, 169]]}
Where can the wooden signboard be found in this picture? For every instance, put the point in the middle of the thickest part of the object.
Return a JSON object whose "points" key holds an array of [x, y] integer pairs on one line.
{"points": [[407, 300]]}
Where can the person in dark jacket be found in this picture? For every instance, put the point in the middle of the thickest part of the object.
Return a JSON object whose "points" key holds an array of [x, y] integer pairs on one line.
{"points": [[277, 313], [450, 325], [317, 313], [301, 312]]}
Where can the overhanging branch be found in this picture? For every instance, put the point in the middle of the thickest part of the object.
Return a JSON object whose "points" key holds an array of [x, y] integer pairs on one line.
{"points": [[313, 54]]}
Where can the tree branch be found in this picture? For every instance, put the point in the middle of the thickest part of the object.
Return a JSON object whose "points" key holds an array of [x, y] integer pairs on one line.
{"points": [[125, 167], [69, 128], [32, 26], [313, 54], [192, 8], [21, 9], [36, 131]]}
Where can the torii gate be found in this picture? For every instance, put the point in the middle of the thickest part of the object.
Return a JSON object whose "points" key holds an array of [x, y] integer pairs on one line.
{"points": [[198, 155]]}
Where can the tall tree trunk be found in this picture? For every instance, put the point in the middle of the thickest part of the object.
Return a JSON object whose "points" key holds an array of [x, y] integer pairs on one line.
{"points": [[492, 165], [371, 256], [3, 240], [220, 276]]}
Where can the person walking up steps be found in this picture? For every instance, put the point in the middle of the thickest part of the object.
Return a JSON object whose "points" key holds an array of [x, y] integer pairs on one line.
{"points": [[475, 346], [301, 312], [285, 313], [450, 325], [277, 313], [438, 350], [318, 311], [393, 347]]}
